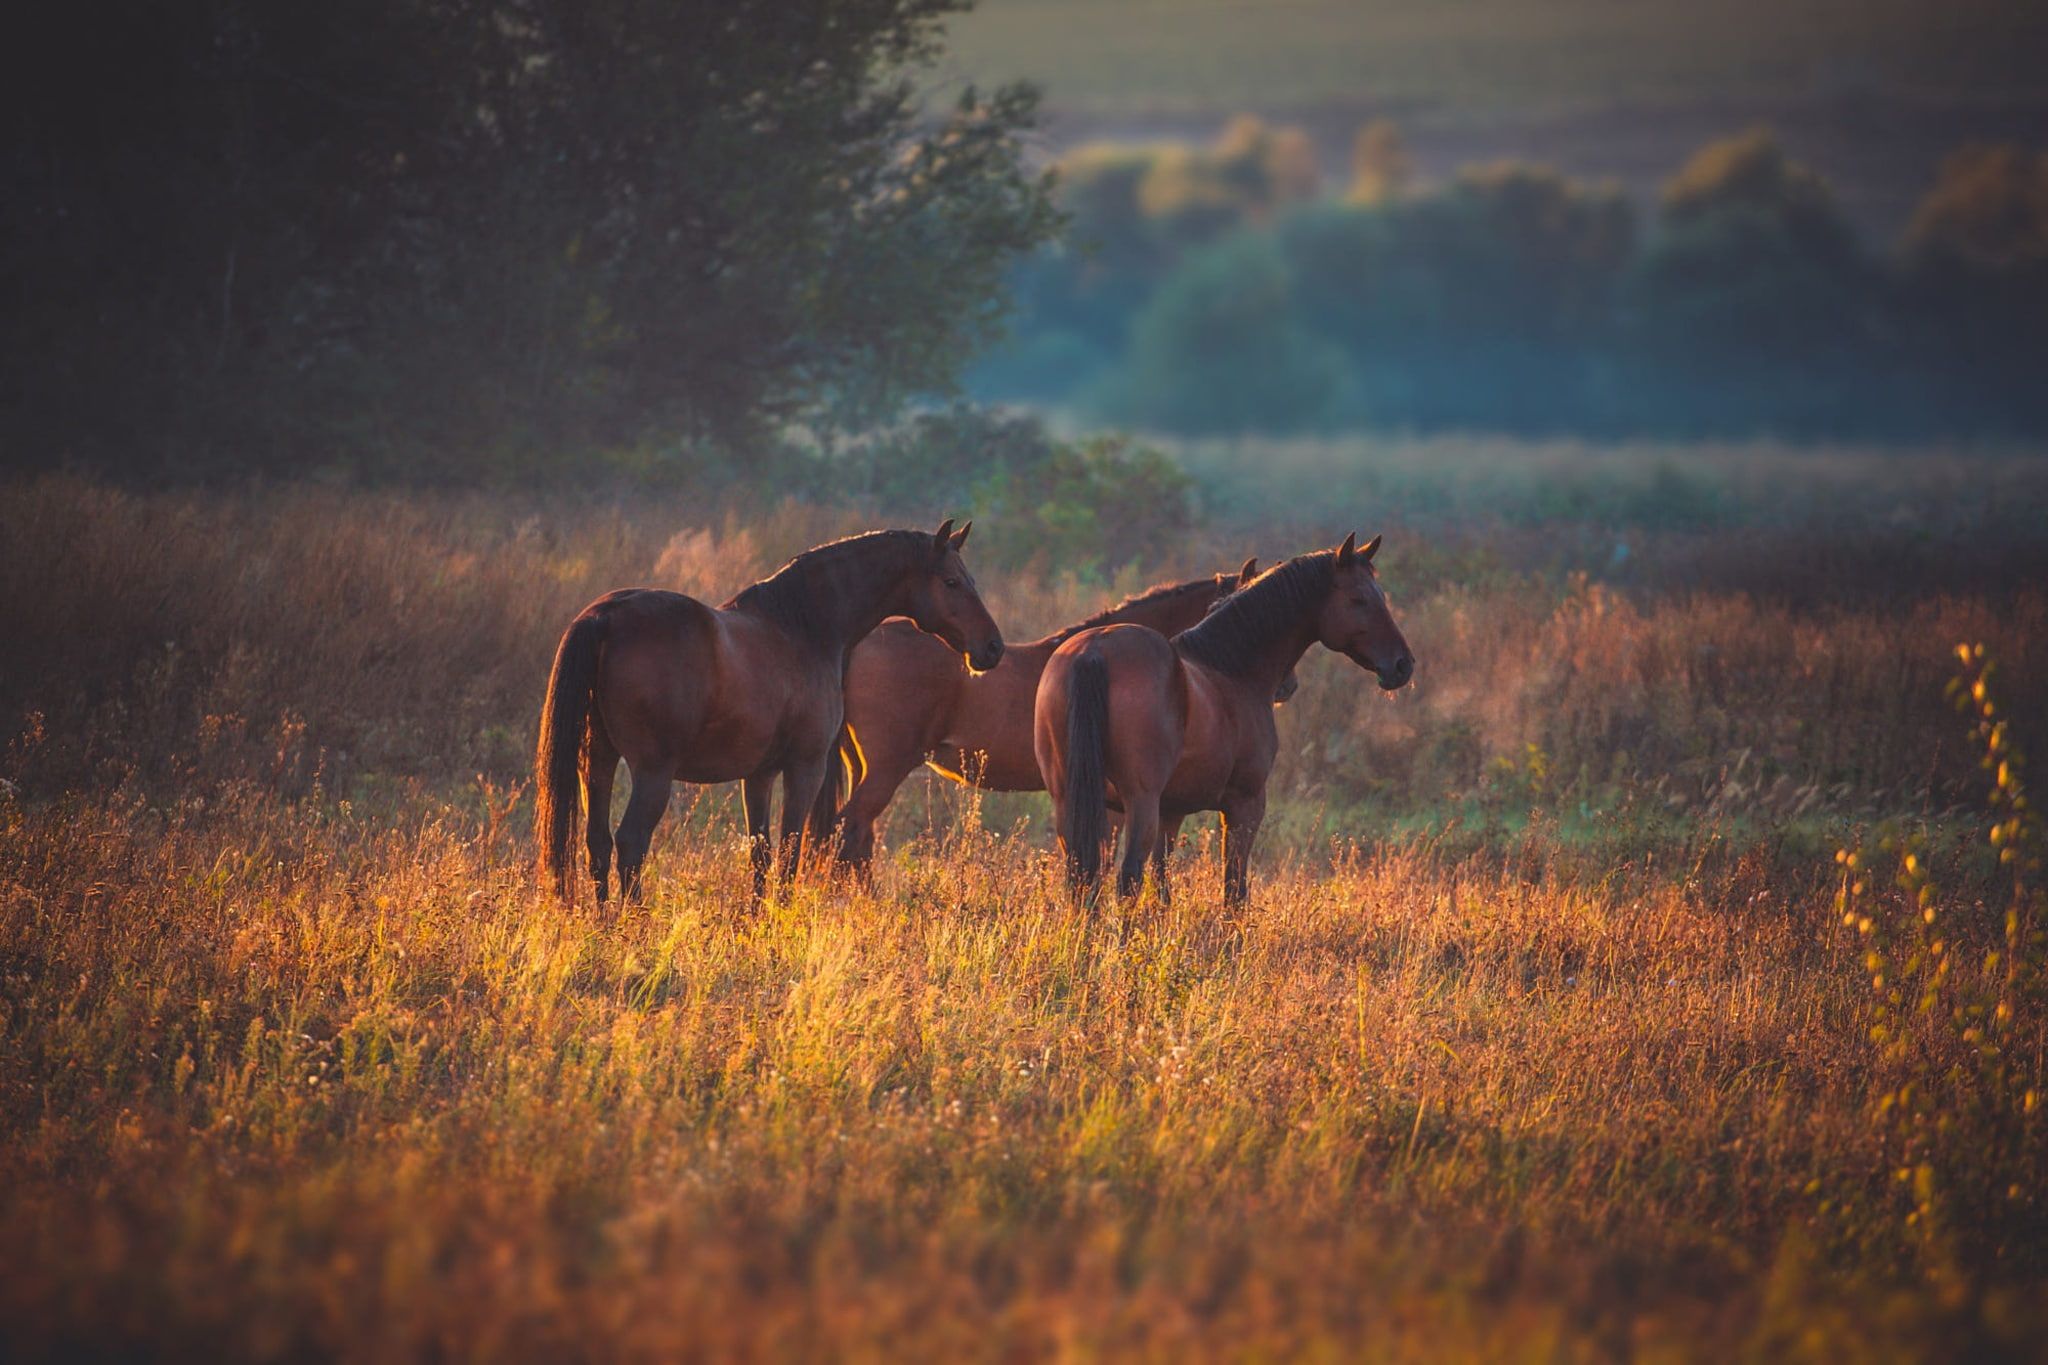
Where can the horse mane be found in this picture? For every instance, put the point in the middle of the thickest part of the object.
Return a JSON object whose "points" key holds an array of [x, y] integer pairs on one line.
{"points": [[1234, 636], [1158, 592], [794, 595]]}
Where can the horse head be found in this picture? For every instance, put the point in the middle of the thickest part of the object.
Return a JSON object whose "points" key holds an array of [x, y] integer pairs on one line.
{"points": [[1357, 622], [943, 601]]}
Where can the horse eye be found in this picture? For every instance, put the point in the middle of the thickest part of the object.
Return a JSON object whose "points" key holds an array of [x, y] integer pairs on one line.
{"points": [[952, 582]]}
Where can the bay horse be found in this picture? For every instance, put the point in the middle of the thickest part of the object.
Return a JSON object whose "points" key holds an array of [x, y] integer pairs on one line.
{"points": [[750, 690], [908, 701], [1166, 728]]}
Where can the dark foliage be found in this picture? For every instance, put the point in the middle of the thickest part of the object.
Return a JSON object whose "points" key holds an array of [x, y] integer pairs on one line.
{"points": [[389, 231]]}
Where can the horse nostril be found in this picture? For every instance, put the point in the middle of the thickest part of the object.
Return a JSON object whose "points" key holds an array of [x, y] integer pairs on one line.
{"points": [[1405, 668], [994, 651]]}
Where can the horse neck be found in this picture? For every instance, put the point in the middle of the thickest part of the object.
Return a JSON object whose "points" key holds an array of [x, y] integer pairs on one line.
{"points": [[1278, 655], [845, 591], [1257, 638]]}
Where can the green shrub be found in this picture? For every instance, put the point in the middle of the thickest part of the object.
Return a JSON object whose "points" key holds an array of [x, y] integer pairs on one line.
{"points": [[1088, 506], [1092, 506]]}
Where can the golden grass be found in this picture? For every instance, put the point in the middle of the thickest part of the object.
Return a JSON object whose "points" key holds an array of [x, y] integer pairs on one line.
{"points": [[295, 1059], [289, 1082]]}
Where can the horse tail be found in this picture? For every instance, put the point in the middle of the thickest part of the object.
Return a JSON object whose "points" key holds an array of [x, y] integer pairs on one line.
{"points": [[1087, 796], [557, 772]]}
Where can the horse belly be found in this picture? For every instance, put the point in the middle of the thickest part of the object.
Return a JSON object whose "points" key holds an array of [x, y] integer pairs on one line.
{"points": [[1198, 783], [755, 723], [995, 767], [988, 734]]}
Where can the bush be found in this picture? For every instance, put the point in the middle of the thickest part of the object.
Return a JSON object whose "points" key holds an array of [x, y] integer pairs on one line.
{"points": [[1092, 507], [1089, 506]]}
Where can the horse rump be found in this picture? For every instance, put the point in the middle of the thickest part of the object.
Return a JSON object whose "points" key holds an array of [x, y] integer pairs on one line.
{"points": [[1085, 804]]}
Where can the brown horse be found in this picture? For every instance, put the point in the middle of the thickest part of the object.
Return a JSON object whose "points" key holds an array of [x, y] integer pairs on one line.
{"points": [[1184, 725], [751, 690], [908, 701]]}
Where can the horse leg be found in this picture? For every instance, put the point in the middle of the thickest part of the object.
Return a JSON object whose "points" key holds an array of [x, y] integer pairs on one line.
{"points": [[636, 831], [1241, 818], [755, 791], [1169, 835], [600, 769], [846, 766], [871, 797], [800, 783], [1141, 842]]}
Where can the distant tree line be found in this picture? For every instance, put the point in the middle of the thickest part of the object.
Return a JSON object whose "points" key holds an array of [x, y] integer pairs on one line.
{"points": [[388, 232], [1220, 289]]}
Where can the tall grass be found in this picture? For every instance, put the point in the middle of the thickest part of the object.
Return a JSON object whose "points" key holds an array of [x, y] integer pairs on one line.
{"points": [[283, 1082], [373, 643], [297, 1059]]}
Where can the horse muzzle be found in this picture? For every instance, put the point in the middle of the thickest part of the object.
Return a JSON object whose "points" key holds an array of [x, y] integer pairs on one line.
{"points": [[1395, 678], [987, 656]]}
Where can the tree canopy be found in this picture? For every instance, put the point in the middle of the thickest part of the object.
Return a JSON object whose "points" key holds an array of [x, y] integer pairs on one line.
{"points": [[1195, 298], [388, 229]]}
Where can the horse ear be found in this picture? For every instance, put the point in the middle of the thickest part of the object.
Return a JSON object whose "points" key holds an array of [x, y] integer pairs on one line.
{"points": [[960, 536], [1347, 550], [944, 534], [1249, 571], [1372, 547]]}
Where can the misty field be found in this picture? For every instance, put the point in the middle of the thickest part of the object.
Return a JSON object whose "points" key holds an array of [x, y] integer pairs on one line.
{"points": [[1554, 1028]]}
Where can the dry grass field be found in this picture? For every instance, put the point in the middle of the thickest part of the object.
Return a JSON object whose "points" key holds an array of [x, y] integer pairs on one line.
{"points": [[1554, 1029]]}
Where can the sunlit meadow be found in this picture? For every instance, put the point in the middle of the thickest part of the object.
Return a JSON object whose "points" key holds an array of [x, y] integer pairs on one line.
{"points": [[1556, 1028]]}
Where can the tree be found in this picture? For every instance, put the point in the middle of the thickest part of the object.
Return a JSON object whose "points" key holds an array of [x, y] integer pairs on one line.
{"points": [[1975, 283], [1135, 212], [1753, 304], [1987, 213], [257, 229], [1219, 349], [1487, 300], [1381, 168], [1751, 174]]}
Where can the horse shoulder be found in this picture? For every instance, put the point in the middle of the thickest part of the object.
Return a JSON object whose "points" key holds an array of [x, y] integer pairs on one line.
{"points": [[1213, 747], [1207, 695]]}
